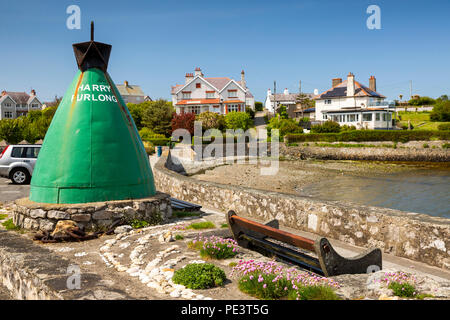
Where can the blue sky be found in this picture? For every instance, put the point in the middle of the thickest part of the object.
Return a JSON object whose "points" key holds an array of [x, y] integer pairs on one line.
{"points": [[156, 42]]}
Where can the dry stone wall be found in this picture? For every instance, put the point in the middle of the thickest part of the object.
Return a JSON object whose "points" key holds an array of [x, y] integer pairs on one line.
{"points": [[411, 235]]}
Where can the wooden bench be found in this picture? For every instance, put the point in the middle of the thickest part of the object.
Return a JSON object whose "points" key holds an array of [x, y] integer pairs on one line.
{"points": [[269, 239]]}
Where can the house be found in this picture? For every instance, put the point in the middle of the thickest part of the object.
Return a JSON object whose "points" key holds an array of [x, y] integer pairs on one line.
{"points": [[293, 107], [16, 104], [351, 103], [132, 93], [221, 95]]}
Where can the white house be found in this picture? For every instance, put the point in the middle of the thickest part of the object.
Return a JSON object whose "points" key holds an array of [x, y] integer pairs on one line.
{"points": [[350, 103], [16, 104], [221, 95], [274, 101]]}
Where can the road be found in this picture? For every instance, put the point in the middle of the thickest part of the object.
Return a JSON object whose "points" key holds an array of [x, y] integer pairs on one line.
{"points": [[10, 192]]}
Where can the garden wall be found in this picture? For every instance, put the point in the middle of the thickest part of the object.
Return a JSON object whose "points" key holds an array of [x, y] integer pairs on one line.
{"points": [[411, 235]]}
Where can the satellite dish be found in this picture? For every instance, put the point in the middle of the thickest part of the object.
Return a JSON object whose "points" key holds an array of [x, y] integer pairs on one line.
{"points": [[316, 92]]}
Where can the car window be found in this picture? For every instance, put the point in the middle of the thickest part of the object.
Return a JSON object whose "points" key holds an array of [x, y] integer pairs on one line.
{"points": [[32, 152], [17, 152]]}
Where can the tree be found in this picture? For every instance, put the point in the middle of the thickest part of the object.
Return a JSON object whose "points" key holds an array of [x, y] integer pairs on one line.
{"points": [[258, 106], [238, 120], [158, 116], [441, 111], [183, 121], [283, 112], [304, 101], [285, 126], [137, 112], [211, 120], [10, 131]]}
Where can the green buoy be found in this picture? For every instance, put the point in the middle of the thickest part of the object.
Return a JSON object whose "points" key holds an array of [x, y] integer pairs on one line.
{"points": [[92, 150]]}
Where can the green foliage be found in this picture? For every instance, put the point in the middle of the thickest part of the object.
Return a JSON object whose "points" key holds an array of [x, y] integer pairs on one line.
{"points": [[179, 237], [10, 130], [326, 127], [426, 145], [250, 112], [137, 224], [199, 276], [202, 225], [224, 225], [444, 126], [259, 106], [313, 293], [282, 111], [403, 289], [9, 225], [183, 214], [347, 128], [371, 135], [158, 116], [154, 139], [284, 125], [421, 101], [211, 120], [445, 145], [266, 289], [214, 247], [238, 120], [3, 216], [137, 112], [441, 112]]}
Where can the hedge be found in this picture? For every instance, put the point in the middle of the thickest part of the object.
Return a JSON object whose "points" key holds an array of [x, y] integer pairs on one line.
{"points": [[159, 141], [370, 135]]}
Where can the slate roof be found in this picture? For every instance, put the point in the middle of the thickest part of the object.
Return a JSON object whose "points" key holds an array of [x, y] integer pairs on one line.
{"points": [[130, 90], [291, 97], [341, 91]]}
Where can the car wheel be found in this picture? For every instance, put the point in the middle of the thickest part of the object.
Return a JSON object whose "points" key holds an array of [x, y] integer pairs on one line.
{"points": [[20, 176]]}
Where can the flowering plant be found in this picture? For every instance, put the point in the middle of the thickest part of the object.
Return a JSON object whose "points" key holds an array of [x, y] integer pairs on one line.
{"points": [[215, 247], [267, 280]]}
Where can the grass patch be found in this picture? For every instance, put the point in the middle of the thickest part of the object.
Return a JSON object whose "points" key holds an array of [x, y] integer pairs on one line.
{"points": [[354, 145], [224, 225], [202, 225], [232, 264], [9, 225], [403, 290], [179, 237], [184, 214], [3, 216], [199, 276], [137, 224]]}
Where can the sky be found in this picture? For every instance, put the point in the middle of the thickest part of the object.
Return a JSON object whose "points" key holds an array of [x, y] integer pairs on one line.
{"points": [[155, 43]]}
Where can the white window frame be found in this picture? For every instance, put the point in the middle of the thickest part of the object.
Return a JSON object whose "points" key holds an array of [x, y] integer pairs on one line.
{"points": [[8, 114], [186, 95], [232, 94]]}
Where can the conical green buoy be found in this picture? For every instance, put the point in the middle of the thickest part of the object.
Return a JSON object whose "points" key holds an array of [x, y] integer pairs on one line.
{"points": [[92, 150]]}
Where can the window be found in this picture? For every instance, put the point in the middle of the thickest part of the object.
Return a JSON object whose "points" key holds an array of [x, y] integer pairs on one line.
{"points": [[351, 117], [377, 116], [327, 101], [31, 152], [233, 107], [8, 114], [17, 152], [232, 93], [386, 117], [8, 105], [367, 117], [186, 95], [324, 116], [193, 109], [198, 85], [209, 95]]}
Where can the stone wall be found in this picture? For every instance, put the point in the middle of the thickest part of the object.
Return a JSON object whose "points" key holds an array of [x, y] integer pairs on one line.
{"points": [[96, 216], [401, 153], [411, 235]]}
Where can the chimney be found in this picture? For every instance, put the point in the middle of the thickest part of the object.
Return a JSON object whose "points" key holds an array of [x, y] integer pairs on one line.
{"points": [[269, 92], [33, 92], [286, 91], [189, 77], [373, 83], [335, 82], [350, 85], [244, 84], [198, 72], [126, 83], [3, 93]]}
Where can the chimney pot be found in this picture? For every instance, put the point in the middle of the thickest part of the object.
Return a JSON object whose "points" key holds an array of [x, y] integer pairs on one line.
{"points": [[336, 81], [33, 92], [126, 83], [373, 83]]}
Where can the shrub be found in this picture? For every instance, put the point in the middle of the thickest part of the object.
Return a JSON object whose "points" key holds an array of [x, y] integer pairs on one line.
{"points": [[199, 276], [441, 112], [445, 145], [250, 112], [326, 127], [259, 106], [211, 120], [238, 120], [137, 224], [371, 135], [215, 247], [158, 116], [285, 126], [183, 121], [444, 126], [404, 290], [347, 128]]}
